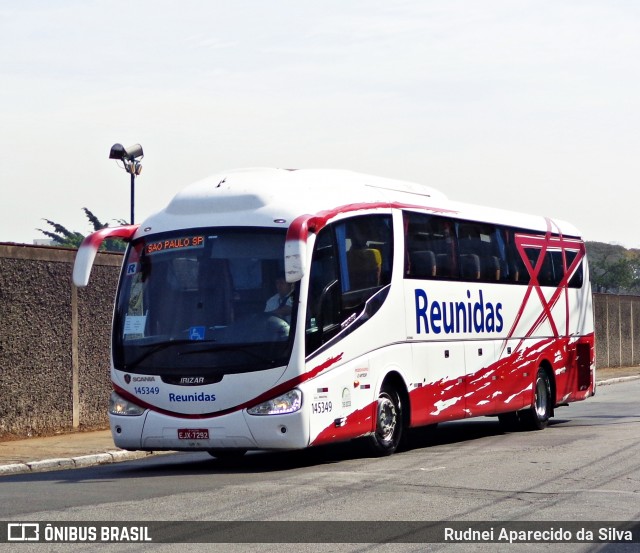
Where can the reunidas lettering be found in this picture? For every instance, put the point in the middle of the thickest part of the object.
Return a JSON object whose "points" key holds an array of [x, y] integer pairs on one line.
{"points": [[453, 317], [191, 397]]}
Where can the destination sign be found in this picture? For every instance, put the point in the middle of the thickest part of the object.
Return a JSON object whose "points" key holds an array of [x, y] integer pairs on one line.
{"points": [[182, 243]]}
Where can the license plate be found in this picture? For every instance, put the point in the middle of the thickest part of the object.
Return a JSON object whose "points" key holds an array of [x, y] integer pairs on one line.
{"points": [[193, 434]]}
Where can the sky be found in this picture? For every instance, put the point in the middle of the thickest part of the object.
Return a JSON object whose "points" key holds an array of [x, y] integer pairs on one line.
{"points": [[528, 105]]}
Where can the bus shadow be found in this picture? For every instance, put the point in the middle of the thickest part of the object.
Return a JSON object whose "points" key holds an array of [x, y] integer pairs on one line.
{"points": [[275, 461], [258, 462]]}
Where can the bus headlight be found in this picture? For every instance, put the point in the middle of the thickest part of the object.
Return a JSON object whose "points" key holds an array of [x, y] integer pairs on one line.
{"points": [[281, 405], [120, 406]]}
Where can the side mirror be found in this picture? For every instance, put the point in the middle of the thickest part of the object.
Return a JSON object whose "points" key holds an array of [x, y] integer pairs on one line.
{"points": [[295, 255], [295, 247], [89, 248]]}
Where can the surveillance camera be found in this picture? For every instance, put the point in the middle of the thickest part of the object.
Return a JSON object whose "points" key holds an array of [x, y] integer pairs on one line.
{"points": [[133, 152], [119, 152]]}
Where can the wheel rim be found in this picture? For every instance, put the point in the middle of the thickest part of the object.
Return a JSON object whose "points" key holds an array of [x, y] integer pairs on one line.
{"points": [[387, 418], [542, 398]]}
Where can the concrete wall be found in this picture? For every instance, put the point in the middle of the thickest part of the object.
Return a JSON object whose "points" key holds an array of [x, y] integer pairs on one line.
{"points": [[54, 340], [617, 325]]}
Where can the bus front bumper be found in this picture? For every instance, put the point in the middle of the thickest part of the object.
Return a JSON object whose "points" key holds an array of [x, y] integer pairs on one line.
{"points": [[153, 431]]}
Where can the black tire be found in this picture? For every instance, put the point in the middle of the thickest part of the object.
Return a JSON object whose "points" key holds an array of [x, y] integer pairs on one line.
{"points": [[222, 453], [538, 415], [389, 423]]}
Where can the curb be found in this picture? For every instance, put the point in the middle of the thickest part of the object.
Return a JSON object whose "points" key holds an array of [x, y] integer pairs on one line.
{"points": [[83, 461], [616, 380]]}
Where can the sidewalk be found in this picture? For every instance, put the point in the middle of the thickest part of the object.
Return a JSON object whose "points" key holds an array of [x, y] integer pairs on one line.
{"points": [[84, 449], [72, 450]]}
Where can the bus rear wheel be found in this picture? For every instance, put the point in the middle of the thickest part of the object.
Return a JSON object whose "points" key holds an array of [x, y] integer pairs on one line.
{"points": [[389, 426], [538, 415]]}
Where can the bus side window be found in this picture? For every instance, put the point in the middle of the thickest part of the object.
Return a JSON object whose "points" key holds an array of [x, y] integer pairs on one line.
{"points": [[322, 309], [351, 262], [550, 270], [482, 253], [490, 268], [365, 265], [545, 269], [365, 247], [429, 246], [419, 258], [556, 271], [469, 266], [515, 264], [577, 279], [532, 255], [422, 264]]}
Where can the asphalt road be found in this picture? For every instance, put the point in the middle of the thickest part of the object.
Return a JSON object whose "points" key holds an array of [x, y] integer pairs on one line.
{"points": [[584, 467]]}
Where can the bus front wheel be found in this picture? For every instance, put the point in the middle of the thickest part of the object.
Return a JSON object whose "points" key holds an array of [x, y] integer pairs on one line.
{"points": [[538, 415], [388, 431]]}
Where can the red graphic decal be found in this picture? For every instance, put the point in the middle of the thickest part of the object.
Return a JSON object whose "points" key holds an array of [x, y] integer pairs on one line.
{"points": [[358, 423], [543, 244], [317, 370], [506, 385], [302, 225], [94, 240]]}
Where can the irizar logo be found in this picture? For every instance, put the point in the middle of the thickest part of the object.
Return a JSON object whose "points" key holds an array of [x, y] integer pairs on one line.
{"points": [[453, 317]]}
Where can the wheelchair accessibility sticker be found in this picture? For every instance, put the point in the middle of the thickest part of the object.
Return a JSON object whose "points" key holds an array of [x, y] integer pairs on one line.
{"points": [[196, 333]]}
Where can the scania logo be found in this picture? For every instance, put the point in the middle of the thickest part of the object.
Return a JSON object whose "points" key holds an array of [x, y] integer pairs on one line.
{"points": [[129, 379], [143, 379]]}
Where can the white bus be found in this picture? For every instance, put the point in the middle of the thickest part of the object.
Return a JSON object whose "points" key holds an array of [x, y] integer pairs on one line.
{"points": [[397, 308]]}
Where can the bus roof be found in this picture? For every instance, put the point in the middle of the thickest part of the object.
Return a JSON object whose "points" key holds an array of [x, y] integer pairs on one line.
{"points": [[275, 197]]}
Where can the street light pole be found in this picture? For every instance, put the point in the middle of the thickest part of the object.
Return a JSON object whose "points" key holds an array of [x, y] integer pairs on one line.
{"points": [[130, 158], [133, 195]]}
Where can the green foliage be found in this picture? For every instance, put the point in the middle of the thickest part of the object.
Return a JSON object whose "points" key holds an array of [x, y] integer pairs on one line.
{"points": [[61, 236], [613, 269]]}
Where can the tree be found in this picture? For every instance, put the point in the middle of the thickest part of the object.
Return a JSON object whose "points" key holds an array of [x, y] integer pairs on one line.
{"points": [[613, 268], [61, 236]]}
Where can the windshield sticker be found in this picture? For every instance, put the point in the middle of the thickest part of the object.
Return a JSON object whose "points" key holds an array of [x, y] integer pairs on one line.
{"points": [[196, 333], [132, 269], [183, 243], [134, 324], [136, 301]]}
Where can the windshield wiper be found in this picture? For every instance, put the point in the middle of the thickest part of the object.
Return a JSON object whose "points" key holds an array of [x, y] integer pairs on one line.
{"points": [[159, 346]]}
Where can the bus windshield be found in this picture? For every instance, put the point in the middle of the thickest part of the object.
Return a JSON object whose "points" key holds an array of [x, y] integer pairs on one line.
{"points": [[204, 302]]}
